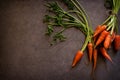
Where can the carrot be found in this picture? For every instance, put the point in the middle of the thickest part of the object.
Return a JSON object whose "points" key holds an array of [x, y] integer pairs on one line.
{"points": [[94, 58], [107, 41], [117, 42], [77, 58], [90, 50], [112, 37], [101, 37], [105, 54], [99, 30]]}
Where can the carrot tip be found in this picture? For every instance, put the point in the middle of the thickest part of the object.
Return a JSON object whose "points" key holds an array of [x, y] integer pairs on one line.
{"points": [[111, 61], [73, 65]]}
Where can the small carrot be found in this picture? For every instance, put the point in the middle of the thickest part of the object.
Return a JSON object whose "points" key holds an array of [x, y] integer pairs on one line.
{"points": [[101, 37], [77, 58], [107, 41], [94, 59], [112, 37], [105, 54], [90, 50], [99, 30], [117, 42]]}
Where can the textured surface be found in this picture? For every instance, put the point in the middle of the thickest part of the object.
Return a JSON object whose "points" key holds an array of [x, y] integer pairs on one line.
{"points": [[25, 53]]}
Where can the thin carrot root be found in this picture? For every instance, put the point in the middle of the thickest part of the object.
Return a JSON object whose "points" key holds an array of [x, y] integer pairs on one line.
{"points": [[105, 54], [90, 51], [94, 59]]}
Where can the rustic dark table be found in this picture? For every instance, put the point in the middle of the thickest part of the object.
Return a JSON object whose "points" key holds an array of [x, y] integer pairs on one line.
{"points": [[25, 53]]}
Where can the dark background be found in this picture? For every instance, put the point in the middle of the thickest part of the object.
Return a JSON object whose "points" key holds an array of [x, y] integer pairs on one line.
{"points": [[25, 53]]}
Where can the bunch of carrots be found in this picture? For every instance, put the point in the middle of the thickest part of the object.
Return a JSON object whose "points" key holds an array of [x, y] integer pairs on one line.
{"points": [[99, 40], [103, 37]]}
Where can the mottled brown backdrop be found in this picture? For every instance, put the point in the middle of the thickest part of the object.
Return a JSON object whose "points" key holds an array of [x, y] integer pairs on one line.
{"points": [[25, 53]]}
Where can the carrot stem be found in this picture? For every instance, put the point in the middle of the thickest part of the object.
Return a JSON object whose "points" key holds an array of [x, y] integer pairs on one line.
{"points": [[106, 20]]}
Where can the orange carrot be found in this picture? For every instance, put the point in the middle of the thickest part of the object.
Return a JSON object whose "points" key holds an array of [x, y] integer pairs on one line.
{"points": [[96, 30], [94, 58], [113, 36], [107, 41], [77, 58], [117, 42], [99, 30], [90, 50], [101, 37], [105, 54]]}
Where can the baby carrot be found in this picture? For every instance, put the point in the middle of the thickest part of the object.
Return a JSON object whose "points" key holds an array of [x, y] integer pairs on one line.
{"points": [[101, 37], [117, 42], [94, 58], [90, 50], [105, 54], [77, 58], [112, 37], [96, 30], [99, 30], [107, 41]]}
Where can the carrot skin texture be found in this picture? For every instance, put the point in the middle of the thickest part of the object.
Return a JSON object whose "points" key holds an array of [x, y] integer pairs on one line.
{"points": [[107, 41], [90, 51], [77, 58], [94, 58], [105, 54], [99, 30], [117, 42], [101, 37]]}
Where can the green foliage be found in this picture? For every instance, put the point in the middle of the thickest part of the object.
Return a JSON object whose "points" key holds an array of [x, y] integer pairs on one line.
{"points": [[69, 4], [49, 30], [64, 19], [59, 36]]}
